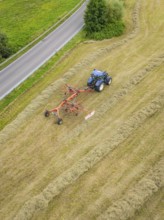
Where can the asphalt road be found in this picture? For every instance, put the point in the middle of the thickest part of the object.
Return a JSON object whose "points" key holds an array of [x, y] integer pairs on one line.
{"points": [[23, 67]]}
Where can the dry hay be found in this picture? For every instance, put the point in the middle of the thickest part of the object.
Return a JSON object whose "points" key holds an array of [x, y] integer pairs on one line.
{"points": [[11, 129], [136, 197], [41, 201]]}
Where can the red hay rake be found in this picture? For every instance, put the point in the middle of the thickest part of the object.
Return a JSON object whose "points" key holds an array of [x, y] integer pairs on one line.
{"points": [[69, 104]]}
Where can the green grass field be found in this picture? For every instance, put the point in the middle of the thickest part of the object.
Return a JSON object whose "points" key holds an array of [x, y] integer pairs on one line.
{"points": [[109, 167], [23, 21]]}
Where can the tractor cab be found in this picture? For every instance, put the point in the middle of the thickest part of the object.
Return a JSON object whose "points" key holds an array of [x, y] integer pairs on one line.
{"points": [[97, 73], [98, 79]]}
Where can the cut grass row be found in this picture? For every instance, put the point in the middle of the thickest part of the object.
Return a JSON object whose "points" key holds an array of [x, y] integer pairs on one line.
{"points": [[136, 197], [41, 201], [47, 146]]}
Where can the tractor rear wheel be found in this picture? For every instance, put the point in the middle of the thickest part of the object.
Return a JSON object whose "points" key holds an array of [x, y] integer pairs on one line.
{"points": [[60, 121], [100, 87]]}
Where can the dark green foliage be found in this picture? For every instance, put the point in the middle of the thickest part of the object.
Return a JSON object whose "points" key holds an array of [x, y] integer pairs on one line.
{"points": [[114, 10], [5, 50], [95, 16], [103, 19], [114, 29]]}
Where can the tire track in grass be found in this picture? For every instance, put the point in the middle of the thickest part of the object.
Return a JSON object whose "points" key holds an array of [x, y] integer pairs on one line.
{"points": [[10, 130], [136, 197], [41, 201]]}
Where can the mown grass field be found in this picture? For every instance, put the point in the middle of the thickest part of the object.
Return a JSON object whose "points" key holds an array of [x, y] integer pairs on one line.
{"points": [[111, 166], [23, 21]]}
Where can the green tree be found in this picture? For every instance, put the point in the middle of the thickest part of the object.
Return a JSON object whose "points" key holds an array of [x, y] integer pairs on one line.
{"points": [[103, 19], [95, 16], [114, 10]]}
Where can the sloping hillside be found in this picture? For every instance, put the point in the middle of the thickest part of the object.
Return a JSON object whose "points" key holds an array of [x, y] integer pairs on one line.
{"points": [[111, 166]]}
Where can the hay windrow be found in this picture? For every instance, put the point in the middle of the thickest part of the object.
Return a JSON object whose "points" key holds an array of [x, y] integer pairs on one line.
{"points": [[41, 201], [136, 197], [10, 130]]}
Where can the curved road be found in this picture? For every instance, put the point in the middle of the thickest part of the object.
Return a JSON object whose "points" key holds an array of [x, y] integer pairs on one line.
{"points": [[23, 67]]}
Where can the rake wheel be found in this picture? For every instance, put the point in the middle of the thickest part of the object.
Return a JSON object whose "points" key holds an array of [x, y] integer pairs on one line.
{"points": [[60, 121], [46, 113]]}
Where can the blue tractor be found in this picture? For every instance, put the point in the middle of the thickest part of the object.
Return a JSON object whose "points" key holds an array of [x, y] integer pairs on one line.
{"points": [[98, 79]]}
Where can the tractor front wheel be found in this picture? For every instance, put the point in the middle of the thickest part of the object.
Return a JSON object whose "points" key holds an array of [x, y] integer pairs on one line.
{"points": [[100, 87], [108, 80]]}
